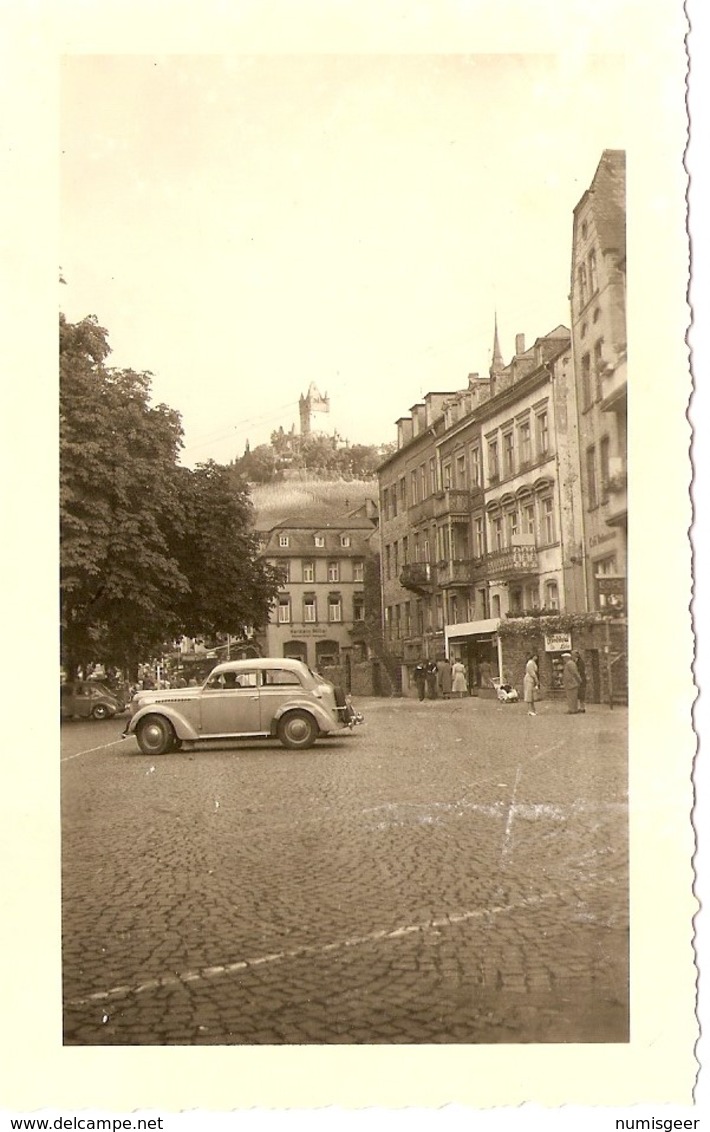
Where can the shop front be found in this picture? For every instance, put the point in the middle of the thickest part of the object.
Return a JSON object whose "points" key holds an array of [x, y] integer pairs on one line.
{"points": [[477, 645]]}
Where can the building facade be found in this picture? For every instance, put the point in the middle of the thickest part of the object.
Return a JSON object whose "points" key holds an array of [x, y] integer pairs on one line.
{"points": [[481, 512], [598, 305], [322, 600]]}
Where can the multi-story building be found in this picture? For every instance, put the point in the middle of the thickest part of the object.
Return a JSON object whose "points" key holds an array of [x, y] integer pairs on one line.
{"points": [[481, 508], [598, 301], [323, 596]]}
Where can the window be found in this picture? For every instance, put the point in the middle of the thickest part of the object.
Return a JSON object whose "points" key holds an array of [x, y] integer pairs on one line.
{"points": [[414, 487], [310, 614], [388, 620], [285, 568], [498, 533], [461, 470], [319, 540], [284, 610], [405, 550], [493, 460], [416, 547], [512, 525], [582, 284], [453, 609], [283, 540], [593, 280], [335, 608], [548, 520], [393, 501], [516, 601], [345, 540], [508, 459], [385, 502], [478, 537], [432, 475], [476, 467], [604, 465], [529, 519], [426, 549], [447, 475], [495, 605], [397, 621], [279, 676], [407, 623], [309, 571], [358, 607], [552, 600], [388, 562], [422, 482], [358, 570], [543, 435], [592, 497], [586, 376], [333, 571], [402, 494], [598, 367], [395, 558], [524, 443]]}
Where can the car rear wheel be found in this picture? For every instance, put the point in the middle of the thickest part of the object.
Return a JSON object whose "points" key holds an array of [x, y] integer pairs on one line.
{"points": [[155, 735], [100, 712], [298, 730]]}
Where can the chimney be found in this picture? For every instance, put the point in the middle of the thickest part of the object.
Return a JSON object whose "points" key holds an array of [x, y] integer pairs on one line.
{"points": [[519, 343]]}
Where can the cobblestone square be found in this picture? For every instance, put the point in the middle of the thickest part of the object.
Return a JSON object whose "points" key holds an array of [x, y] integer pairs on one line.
{"points": [[451, 872]]}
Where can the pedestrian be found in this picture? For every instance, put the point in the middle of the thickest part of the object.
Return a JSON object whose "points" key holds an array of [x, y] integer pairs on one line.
{"points": [[432, 675], [531, 683], [445, 678], [486, 674], [571, 680], [420, 678], [458, 682], [582, 691]]}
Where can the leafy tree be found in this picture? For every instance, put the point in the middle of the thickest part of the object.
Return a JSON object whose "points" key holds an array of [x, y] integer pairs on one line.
{"points": [[118, 503], [230, 587]]}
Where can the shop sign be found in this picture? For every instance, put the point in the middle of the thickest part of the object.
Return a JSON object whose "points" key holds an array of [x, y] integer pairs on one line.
{"points": [[612, 587], [558, 642]]}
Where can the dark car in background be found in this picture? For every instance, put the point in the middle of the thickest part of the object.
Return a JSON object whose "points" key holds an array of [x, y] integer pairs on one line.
{"points": [[88, 699]]}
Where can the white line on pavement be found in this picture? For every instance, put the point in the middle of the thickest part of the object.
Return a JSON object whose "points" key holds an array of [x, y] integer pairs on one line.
{"points": [[90, 750], [204, 973]]}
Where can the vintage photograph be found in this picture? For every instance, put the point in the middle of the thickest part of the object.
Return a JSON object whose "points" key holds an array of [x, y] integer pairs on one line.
{"points": [[343, 550]]}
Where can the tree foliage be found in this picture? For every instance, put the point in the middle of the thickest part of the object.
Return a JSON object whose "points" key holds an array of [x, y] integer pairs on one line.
{"points": [[317, 454], [136, 567]]}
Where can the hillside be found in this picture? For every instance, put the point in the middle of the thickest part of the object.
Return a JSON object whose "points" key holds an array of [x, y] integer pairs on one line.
{"points": [[308, 497]]}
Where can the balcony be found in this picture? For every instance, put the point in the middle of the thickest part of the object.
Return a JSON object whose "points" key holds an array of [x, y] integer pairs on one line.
{"points": [[516, 561], [418, 512], [613, 386], [417, 576], [459, 571], [452, 501], [616, 494]]}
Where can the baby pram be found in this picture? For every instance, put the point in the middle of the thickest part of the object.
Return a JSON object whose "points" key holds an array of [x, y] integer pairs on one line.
{"points": [[506, 693]]}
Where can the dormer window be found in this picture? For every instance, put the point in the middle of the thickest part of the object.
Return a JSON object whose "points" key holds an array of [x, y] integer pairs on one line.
{"points": [[283, 540], [345, 540], [319, 540]]}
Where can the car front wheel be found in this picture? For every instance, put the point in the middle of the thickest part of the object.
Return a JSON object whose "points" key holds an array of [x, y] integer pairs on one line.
{"points": [[155, 735], [298, 730], [101, 712]]}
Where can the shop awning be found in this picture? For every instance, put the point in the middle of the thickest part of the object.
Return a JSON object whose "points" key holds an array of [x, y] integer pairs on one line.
{"points": [[471, 629]]}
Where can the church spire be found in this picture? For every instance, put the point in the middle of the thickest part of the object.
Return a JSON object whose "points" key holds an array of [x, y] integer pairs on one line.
{"points": [[497, 364]]}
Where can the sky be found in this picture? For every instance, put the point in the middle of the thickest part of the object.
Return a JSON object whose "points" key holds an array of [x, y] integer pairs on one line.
{"points": [[243, 226]]}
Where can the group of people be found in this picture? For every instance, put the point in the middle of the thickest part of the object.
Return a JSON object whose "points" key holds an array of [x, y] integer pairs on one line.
{"points": [[574, 681], [434, 678]]}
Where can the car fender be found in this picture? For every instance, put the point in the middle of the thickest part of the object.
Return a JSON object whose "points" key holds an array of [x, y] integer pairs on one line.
{"points": [[182, 728], [322, 717]]}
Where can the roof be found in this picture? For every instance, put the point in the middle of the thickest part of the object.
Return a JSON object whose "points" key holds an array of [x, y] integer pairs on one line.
{"points": [[607, 199]]}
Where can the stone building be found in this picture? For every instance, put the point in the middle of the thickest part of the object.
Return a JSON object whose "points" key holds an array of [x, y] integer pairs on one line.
{"points": [[598, 304], [313, 407]]}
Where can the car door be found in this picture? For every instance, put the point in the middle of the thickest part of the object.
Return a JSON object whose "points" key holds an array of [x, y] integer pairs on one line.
{"points": [[230, 709], [280, 686]]}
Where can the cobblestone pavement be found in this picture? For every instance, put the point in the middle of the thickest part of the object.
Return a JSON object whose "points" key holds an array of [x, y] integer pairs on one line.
{"points": [[453, 871]]}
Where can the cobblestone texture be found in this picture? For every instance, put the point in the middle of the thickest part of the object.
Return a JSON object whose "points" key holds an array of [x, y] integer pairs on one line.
{"points": [[450, 872]]}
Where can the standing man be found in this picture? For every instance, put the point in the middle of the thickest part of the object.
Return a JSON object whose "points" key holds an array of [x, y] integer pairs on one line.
{"points": [[444, 666], [420, 678], [432, 676], [582, 692], [571, 682]]}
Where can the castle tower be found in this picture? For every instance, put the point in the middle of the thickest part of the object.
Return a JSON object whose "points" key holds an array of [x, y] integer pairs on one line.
{"points": [[310, 408]]}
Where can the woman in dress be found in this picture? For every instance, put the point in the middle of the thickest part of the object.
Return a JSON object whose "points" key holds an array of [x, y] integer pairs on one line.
{"points": [[531, 683], [459, 687]]}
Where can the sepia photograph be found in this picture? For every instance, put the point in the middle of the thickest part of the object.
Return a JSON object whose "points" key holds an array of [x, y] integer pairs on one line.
{"points": [[368, 758]]}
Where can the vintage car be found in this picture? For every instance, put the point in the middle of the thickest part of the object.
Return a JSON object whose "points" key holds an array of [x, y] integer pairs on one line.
{"points": [[258, 698], [88, 699]]}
